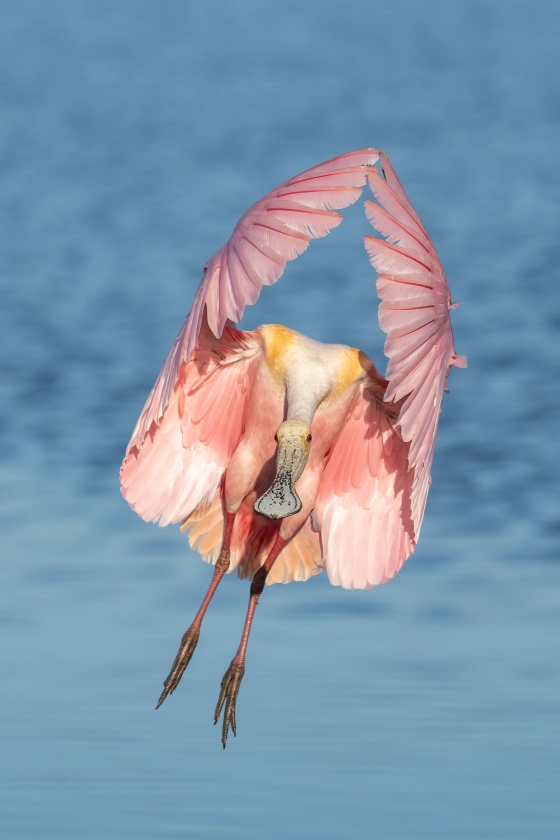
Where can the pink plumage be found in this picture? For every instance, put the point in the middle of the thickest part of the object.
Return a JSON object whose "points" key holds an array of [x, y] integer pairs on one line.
{"points": [[204, 451]]}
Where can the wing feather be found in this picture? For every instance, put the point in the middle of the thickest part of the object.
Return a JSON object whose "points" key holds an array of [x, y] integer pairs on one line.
{"points": [[397, 233], [310, 221], [396, 207]]}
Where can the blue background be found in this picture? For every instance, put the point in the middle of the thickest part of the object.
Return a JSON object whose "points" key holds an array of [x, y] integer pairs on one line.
{"points": [[132, 136]]}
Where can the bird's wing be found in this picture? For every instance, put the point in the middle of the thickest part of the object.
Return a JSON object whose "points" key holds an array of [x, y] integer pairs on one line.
{"points": [[363, 507], [375, 485], [414, 312], [275, 230], [179, 462]]}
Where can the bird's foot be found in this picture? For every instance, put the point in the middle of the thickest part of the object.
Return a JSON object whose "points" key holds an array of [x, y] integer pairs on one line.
{"points": [[184, 654], [228, 695]]}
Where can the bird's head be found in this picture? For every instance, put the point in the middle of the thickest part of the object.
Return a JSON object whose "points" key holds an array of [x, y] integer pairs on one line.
{"points": [[294, 442]]}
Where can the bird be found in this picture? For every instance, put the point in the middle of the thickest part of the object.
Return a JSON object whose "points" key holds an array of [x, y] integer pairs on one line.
{"points": [[282, 456]]}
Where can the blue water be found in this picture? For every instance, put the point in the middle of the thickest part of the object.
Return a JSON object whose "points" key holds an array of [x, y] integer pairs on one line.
{"points": [[133, 135]]}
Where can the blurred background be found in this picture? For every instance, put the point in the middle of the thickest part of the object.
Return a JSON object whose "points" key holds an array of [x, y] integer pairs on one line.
{"points": [[132, 137]]}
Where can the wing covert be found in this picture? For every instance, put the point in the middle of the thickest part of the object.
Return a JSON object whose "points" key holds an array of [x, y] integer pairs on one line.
{"points": [[363, 507], [180, 462]]}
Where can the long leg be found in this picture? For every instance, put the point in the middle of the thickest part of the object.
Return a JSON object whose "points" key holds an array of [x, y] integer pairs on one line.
{"points": [[234, 674], [190, 638]]}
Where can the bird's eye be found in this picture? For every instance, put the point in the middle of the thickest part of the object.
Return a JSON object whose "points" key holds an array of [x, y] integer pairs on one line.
{"points": [[308, 438]]}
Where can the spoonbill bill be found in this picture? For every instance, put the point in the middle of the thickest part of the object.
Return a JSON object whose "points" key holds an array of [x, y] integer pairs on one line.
{"points": [[280, 455]]}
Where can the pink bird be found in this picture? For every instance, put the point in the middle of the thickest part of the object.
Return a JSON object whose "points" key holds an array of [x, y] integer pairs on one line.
{"points": [[280, 455]]}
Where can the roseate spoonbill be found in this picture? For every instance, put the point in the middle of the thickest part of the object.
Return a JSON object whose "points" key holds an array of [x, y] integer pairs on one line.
{"points": [[278, 454]]}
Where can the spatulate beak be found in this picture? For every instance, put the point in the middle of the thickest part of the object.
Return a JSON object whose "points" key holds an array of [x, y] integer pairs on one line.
{"points": [[281, 499]]}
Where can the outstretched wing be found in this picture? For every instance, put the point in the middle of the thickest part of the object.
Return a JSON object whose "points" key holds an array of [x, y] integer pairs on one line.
{"points": [[275, 230], [179, 463], [414, 312], [375, 485]]}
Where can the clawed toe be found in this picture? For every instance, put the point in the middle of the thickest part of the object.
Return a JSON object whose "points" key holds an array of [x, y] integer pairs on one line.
{"points": [[228, 695], [184, 654]]}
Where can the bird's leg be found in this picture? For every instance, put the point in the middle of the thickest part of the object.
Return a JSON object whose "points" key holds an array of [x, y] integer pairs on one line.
{"points": [[234, 674], [190, 638]]}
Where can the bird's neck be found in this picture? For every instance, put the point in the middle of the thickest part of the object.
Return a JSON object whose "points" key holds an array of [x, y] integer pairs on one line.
{"points": [[308, 372], [304, 394]]}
